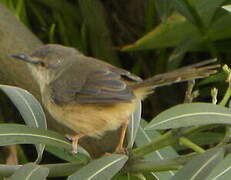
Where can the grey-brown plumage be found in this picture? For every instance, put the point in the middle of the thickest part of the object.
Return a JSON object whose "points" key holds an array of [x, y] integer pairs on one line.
{"points": [[91, 96]]}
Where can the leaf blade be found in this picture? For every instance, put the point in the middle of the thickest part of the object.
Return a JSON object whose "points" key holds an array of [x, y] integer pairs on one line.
{"points": [[200, 166], [21, 134], [144, 137], [30, 171], [185, 115], [222, 170], [134, 125], [30, 110], [101, 169]]}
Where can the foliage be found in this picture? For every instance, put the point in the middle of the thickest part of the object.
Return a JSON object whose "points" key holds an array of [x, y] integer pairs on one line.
{"points": [[186, 141]]}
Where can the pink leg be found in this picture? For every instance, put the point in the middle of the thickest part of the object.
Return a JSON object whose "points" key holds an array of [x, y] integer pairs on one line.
{"points": [[120, 148], [74, 139]]}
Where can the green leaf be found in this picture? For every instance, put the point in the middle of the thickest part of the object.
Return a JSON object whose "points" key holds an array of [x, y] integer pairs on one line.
{"points": [[207, 10], [30, 110], [134, 125], [200, 13], [221, 170], [30, 171], [177, 29], [227, 8], [101, 169], [170, 34], [177, 55], [185, 115], [200, 166], [62, 154], [21, 134], [144, 137], [188, 11], [218, 77], [202, 139], [55, 170], [164, 8]]}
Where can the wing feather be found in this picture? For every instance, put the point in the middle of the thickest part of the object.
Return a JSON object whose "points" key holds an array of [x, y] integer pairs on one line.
{"points": [[97, 85]]}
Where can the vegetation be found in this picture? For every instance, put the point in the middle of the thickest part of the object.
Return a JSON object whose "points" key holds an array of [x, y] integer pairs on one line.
{"points": [[190, 140]]}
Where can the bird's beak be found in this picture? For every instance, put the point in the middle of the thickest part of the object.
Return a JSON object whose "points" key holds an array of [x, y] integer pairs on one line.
{"points": [[25, 58]]}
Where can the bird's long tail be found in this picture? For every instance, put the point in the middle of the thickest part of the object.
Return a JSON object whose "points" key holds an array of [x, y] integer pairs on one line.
{"points": [[191, 72]]}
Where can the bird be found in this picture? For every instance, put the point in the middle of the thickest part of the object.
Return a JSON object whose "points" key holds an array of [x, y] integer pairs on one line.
{"points": [[91, 96]]}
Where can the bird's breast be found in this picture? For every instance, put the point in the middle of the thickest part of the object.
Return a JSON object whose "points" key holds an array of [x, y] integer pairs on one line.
{"points": [[91, 120]]}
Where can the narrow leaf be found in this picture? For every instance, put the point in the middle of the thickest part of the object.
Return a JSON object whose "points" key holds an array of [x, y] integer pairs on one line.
{"points": [[21, 134], [185, 115], [207, 10], [134, 125], [222, 171], [177, 28], [55, 170], [144, 137], [188, 11], [177, 55], [200, 166], [29, 108], [62, 154], [164, 8], [169, 34], [101, 169], [227, 8], [30, 171]]}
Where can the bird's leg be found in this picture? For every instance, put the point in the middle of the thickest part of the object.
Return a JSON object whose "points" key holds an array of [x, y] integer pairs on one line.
{"points": [[74, 139], [120, 148]]}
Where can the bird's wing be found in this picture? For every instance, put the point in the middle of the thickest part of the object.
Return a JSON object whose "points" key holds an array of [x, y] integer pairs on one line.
{"points": [[99, 84]]}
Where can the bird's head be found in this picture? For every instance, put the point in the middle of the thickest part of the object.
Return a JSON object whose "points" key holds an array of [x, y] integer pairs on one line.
{"points": [[48, 61]]}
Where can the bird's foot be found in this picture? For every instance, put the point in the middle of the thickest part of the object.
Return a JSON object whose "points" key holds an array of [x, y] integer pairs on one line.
{"points": [[120, 150], [74, 139]]}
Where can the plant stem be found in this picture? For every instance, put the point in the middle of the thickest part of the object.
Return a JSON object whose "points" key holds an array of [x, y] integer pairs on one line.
{"points": [[164, 140], [167, 139], [226, 96], [186, 142]]}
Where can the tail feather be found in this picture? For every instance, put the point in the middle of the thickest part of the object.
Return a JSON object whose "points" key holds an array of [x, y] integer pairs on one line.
{"points": [[191, 72]]}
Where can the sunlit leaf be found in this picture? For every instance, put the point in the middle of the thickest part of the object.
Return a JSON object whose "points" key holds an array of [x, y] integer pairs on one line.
{"points": [[228, 8], [185, 115]]}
